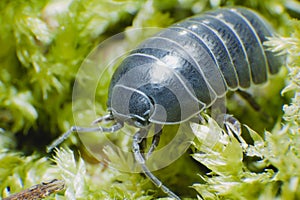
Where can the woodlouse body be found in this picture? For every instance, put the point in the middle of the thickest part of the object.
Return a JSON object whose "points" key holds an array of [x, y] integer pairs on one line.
{"points": [[205, 56], [184, 69]]}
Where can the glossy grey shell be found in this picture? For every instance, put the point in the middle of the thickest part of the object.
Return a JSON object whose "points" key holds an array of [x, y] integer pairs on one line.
{"points": [[186, 67]]}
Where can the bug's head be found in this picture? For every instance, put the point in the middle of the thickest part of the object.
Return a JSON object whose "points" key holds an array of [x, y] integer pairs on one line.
{"points": [[131, 106]]}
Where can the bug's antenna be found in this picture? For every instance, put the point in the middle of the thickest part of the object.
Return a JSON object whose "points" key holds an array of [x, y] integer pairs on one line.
{"points": [[108, 117], [117, 126], [59, 140]]}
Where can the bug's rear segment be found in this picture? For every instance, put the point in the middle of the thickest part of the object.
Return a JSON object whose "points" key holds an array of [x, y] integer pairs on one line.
{"points": [[263, 31]]}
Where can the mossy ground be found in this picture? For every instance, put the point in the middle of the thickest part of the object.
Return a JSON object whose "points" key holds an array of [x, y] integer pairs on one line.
{"points": [[43, 44]]}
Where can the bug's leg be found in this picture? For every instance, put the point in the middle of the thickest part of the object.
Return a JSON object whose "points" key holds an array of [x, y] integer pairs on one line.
{"points": [[155, 140], [113, 128], [249, 98], [201, 119], [232, 123], [143, 145], [234, 126], [137, 139]]}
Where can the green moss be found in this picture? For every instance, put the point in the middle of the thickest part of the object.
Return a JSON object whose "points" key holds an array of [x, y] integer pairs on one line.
{"points": [[44, 44], [19, 172]]}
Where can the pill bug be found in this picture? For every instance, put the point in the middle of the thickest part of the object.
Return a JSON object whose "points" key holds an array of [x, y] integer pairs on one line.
{"points": [[174, 75]]}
